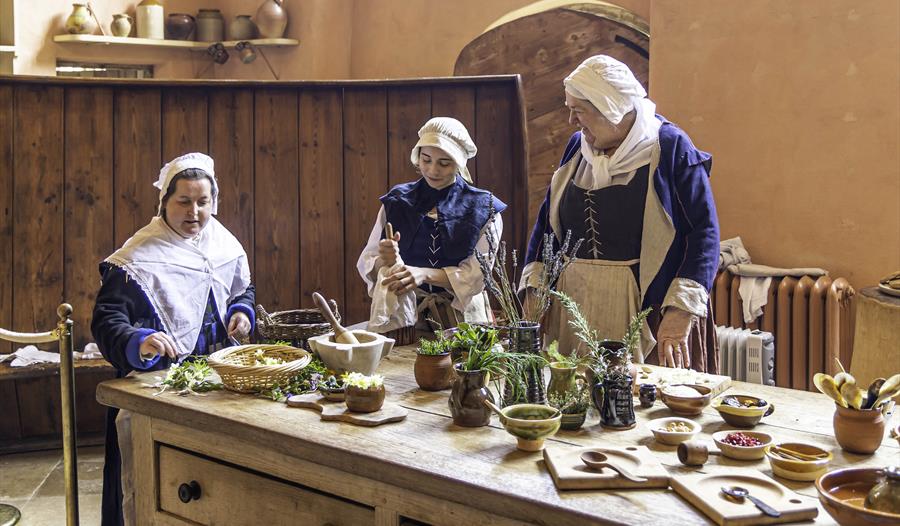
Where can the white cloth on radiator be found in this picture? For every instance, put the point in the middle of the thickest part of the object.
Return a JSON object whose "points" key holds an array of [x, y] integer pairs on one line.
{"points": [[390, 311], [755, 282], [732, 252]]}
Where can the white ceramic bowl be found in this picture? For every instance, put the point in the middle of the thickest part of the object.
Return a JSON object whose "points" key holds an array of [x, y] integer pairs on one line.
{"points": [[358, 358], [743, 452], [672, 438]]}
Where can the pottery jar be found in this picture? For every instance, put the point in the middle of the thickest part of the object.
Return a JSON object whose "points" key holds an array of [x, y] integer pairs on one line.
{"points": [[360, 400], [647, 395], [242, 28], [467, 398], [149, 18], [563, 379], [433, 372], [80, 22], [615, 401], [180, 26], [121, 25], [859, 430], [210, 26], [572, 421], [525, 338], [271, 19]]}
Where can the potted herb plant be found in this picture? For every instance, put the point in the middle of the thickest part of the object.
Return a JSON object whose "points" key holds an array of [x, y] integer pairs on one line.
{"points": [[573, 405], [564, 371], [433, 368], [363, 394]]}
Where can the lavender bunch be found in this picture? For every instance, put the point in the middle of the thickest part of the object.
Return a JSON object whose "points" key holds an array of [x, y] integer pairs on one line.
{"points": [[554, 265], [498, 282]]}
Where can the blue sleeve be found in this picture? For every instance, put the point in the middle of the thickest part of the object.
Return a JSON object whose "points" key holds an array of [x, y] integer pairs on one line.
{"points": [[694, 196], [133, 354], [240, 307]]}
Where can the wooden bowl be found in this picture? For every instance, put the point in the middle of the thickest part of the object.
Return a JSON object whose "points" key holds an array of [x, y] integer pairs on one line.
{"points": [[746, 416], [842, 493], [672, 438], [743, 452], [687, 405], [800, 470]]}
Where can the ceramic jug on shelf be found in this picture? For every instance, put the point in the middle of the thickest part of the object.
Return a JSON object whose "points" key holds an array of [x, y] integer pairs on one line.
{"points": [[242, 28], [80, 22], [271, 19], [121, 25], [210, 26], [150, 21]]}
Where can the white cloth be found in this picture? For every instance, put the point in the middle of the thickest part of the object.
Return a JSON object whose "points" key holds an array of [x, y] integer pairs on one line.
{"points": [[29, 355], [390, 311], [732, 252], [177, 274], [608, 84], [450, 136], [466, 280], [178, 165], [754, 293]]}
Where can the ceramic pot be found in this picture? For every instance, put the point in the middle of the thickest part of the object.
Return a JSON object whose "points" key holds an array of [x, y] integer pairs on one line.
{"points": [[271, 19], [563, 379], [859, 431], [180, 26], [467, 398], [242, 28], [121, 25], [572, 421], [526, 338], [210, 26], [885, 496], [150, 20], [529, 423], [80, 22], [364, 400], [647, 395], [615, 401], [433, 372]]}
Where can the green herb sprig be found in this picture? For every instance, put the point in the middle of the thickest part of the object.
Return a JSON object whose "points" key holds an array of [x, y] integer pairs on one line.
{"points": [[189, 377]]}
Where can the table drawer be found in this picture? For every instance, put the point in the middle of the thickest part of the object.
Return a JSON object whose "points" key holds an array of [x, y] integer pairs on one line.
{"points": [[230, 495]]}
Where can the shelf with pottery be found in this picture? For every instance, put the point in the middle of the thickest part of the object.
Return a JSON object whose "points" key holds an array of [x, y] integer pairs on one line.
{"points": [[167, 44]]}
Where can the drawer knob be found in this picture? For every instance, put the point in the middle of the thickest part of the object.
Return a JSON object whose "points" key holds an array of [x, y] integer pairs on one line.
{"points": [[189, 491]]}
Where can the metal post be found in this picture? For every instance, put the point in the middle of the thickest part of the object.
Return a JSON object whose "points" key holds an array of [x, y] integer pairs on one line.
{"points": [[67, 392]]}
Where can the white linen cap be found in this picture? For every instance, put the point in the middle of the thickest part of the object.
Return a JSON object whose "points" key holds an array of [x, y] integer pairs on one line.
{"points": [[179, 164], [607, 84], [449, 135]]}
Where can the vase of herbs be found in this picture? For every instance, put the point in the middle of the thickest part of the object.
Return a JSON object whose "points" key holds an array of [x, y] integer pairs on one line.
{"points": [[573, 404], [433, 368], [480, 361], [564, 373]]}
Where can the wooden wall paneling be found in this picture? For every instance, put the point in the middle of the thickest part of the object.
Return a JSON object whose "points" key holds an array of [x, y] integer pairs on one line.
{"points": [[7, 145], [276, 199], [88, 147], [184, 122], [39, 399], [137, 159], [457, 101], [38, 209], [408, 109], [231, 146], [9, 408], [322, 196], [365, 173]]}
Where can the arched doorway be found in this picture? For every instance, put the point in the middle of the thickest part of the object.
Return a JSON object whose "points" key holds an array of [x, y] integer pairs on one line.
{"points": [[543, 48]]}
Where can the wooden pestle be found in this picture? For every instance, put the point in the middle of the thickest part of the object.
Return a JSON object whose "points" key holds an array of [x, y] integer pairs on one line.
{"points": [[341, 334], [694, 453]]}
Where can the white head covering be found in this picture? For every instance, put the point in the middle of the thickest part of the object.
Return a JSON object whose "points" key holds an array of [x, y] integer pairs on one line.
{"points": [[612, 88], [449, 135], [178, 274], [180, 164]]}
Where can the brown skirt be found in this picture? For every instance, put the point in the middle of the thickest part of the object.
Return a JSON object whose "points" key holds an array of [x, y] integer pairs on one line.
{"points": [[704, 347]]}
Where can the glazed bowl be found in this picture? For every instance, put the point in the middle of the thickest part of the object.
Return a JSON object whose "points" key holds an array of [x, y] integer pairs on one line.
{"points": [[743, 452], [800, 470], [529, 423], [750, 412], [672, 438], [686, 405], [842, 493]]}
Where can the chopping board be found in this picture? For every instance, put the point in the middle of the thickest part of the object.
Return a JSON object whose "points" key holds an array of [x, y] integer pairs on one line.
{"points": [[338, 412], [663, 376], [703, 490], [569, 472]]}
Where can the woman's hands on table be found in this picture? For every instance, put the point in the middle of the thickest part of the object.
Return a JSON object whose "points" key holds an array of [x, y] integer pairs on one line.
{"points": [[674, 331], [158, 343]]}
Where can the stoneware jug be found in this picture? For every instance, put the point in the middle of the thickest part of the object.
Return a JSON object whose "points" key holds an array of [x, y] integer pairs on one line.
{"points": [[242, 28], [121, 25], [467, 398], [80, 22], [210, 26], [150, 20], [271, 19]]}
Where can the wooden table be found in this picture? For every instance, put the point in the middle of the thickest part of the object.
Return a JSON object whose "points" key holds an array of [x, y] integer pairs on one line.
{"points": [[258, 461]]}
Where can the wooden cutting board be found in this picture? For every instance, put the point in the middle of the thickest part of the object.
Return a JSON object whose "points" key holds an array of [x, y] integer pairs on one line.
{"points": [[703, 490], [662, 376], [337, 411], [569, 472]]}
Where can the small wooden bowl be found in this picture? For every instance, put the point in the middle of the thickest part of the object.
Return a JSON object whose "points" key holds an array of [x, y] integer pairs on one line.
{"points": [[687, 405], [842, 493], [364, 400], [743, 452], [672, 438], [800, 470]]}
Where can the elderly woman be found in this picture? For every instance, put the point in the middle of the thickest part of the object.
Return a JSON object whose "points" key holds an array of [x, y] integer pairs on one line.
{"points": [[179, 287], [427, 269], [635, 188]]}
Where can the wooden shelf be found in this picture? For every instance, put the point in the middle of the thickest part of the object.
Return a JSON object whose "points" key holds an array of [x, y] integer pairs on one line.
{"points": [[167, 44]]}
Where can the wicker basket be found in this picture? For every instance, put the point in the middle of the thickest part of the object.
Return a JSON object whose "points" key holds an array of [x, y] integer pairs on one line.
{"points": [[236, 366], [295, 326]]}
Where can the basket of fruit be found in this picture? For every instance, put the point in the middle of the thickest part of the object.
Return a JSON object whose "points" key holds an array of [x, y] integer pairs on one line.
{"points": [[252, 368]]}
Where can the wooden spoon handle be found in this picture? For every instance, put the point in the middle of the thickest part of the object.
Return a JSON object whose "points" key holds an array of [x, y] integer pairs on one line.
{"points": [[625, 473], [389, 231], [326, 312]]}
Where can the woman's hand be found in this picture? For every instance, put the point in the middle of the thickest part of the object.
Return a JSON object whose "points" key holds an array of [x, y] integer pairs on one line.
{"points": [[389, 251], [239, 326], [158, 343], [673, 334], [404, 279]]}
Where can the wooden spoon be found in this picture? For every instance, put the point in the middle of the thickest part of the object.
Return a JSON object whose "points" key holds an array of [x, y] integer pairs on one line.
{"points": [[341, 335], [872, 393], [597, 461], [888, 390], [826, 384]]}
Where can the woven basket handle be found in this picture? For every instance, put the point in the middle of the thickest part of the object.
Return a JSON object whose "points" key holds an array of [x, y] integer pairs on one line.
{"points": [[263, 316]]}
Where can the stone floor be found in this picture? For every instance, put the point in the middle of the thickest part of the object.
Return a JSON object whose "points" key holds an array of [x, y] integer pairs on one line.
{"points": [[34, 483]]}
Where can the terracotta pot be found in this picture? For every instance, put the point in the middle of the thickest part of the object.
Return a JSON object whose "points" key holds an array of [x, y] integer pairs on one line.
{"points": [[859, 431], [364, 400], [271, 19], [180, 26], [467, 398], [433, 372]]}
